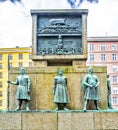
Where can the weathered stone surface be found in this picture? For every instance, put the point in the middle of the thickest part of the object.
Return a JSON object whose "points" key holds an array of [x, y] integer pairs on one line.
{"points": [[12, 93], [82, 121], [106, 121], [75, 121], [42, 80], [10, 121], [44, 91], [51, 120], [79, 63], [64, 121], [39, 121]]}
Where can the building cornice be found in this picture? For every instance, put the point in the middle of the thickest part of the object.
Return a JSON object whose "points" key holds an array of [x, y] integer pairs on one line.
{"points": [[103, 39], [62, 11], [12, 50]]}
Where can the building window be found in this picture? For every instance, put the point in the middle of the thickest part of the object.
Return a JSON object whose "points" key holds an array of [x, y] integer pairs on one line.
{"points": [[30, 56], [91, 47], [103, 57], [114, 100], [0, 84], [115, 68], [10, 57], [115, 79], [103, 47], [115, 90], [20, 56], [114, 47], [30, 64], [0, 56], [114, 57], [0, 66], [91, 57], [0, 93], [0, 74], [0, 102], [20, 64]]}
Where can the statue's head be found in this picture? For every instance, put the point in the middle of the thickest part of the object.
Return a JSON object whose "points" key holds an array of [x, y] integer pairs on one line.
{"points": [[60, 72], [22, 70], [91, 69]]}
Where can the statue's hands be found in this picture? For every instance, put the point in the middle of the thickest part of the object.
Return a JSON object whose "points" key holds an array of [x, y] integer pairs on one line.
{"points": [[90, 86], [8, 82], [96, 86]]}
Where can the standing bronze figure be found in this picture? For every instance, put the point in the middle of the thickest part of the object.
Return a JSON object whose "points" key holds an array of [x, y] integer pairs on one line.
{"points": [[109, 93], [60, 90], [91, 83], [23, 91]]}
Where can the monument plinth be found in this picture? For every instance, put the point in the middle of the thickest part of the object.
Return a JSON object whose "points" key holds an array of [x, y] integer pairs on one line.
{"points": [[59, 37]]}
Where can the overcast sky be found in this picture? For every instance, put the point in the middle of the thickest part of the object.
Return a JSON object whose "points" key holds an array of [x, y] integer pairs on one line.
{"points": [[16, 22]]}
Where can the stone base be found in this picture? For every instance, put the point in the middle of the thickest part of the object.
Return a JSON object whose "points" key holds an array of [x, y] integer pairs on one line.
{"points": [[45, 63], [51, 120]]}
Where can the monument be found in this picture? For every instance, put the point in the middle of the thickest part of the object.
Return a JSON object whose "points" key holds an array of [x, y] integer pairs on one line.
{"points": [[59, 41]]}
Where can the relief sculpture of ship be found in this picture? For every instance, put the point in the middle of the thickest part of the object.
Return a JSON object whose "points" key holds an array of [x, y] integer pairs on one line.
{"points": [[59, 26]]}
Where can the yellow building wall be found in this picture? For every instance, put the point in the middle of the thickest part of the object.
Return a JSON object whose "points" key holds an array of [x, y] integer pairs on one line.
{"points": [[26, 51]]}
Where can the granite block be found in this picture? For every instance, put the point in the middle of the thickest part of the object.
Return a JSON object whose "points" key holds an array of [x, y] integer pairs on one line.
{"points": [[39, 121], [106, 121], [75, 121], [10, 121]]}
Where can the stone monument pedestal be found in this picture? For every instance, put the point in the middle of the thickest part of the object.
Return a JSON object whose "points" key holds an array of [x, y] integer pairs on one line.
{"points": [[49, 120]]}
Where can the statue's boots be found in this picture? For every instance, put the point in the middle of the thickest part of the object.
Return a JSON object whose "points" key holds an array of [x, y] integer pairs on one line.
{"points": [[110, 107], [56, 109], [27, 107], [84, 109], [85, 105], [66, 109], [18, 108], [97, 108], [96, 104]]}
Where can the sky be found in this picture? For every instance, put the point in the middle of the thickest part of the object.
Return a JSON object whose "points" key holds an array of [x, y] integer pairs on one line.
{"points": [[16, 21]]}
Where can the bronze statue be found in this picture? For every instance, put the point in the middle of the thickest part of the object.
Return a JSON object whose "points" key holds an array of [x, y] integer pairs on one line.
{"points": [[91, 83], [23, 91], [109, 93], [60, 90]]}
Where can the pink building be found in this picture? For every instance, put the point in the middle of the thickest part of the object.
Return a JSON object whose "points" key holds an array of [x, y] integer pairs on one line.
{"points": [[103, 51]]}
